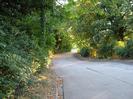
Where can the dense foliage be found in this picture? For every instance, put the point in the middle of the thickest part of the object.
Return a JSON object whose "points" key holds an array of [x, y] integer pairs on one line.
{"points": [[101, 24], [27, 36]]}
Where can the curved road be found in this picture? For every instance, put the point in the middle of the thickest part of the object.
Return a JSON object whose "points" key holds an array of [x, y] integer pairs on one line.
{"points": [[94, 80]]}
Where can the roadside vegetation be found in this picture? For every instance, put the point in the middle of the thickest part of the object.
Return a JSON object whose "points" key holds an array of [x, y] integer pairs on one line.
{"points": [[29, 34], [31, 31], [102, 29]]}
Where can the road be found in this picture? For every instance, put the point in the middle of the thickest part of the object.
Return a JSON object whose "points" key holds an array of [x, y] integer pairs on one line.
{"points": [[94, 80]]}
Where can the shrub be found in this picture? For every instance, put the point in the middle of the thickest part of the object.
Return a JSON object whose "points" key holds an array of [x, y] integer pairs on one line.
{"points": [[125, 52], [129, 48], [105, 51], [121, 52], [22, 53], [15, 58], [85, 52]]}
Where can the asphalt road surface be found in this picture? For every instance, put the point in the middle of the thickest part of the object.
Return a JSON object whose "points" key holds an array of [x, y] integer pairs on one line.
{"points": [[94, 80]]}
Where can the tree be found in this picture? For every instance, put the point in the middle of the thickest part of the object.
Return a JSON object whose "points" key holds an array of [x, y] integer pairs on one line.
{"points": [[115, 18], [100, 24]]}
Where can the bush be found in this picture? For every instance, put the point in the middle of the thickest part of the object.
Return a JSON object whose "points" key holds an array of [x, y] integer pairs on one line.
{"points": [[125, 52], [129, 48], [15, 58], [22, 53], [85, 52], [121, 52], [105, 51]]}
